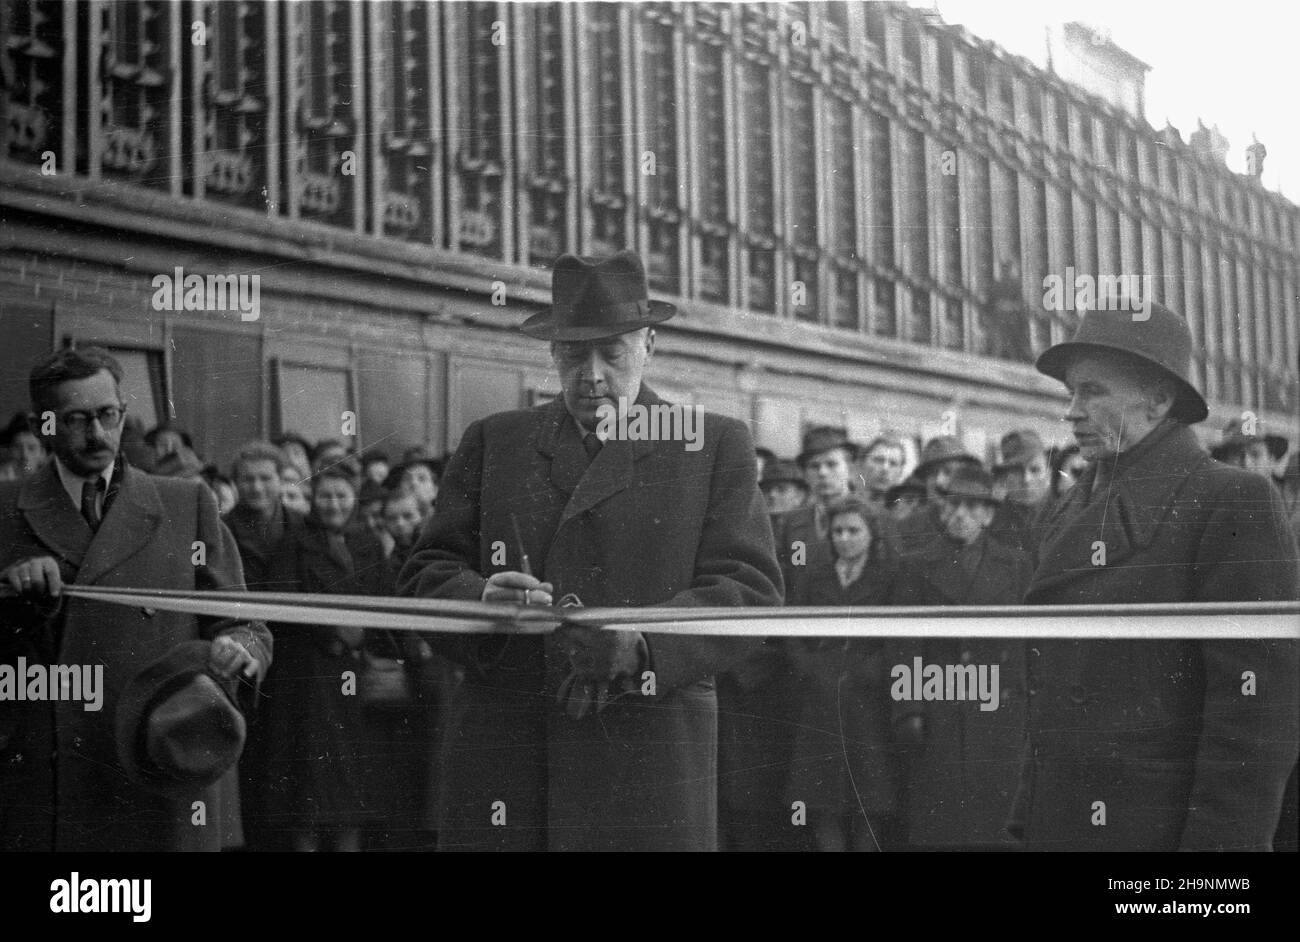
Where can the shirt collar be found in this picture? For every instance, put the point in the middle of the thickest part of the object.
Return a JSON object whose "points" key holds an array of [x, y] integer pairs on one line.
{"points": [[72, 483]]}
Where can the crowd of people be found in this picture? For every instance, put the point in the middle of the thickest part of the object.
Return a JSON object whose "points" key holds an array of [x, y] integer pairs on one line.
{"points": [[362, 738], [854, 526]]}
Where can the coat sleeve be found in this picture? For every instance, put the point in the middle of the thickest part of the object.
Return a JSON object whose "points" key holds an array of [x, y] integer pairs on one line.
{"points": [[221, 570], [1249, 736], [444, 561], [735, 565]]}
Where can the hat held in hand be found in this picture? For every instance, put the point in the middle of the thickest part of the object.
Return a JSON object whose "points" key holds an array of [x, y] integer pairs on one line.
{"points": [[595, 298], [178, 728]]}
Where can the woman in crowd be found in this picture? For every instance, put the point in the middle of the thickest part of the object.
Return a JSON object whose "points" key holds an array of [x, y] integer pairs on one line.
{"points": [[317, 740], [843, 768], [294, 491]]}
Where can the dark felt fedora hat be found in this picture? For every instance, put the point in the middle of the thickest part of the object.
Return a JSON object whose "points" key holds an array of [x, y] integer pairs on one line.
{"points": [[178, 728], [942, 448], [910, 485], [1235, 440], [1018, 448], [822, 438], [1162, 339], [782, 471], [593, 298], [972, 482]]}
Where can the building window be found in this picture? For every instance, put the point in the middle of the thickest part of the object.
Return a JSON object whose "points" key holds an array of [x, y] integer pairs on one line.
{"points": [[882, 188], [479, 158], [402, 126], [714, 174], [34, 100], [802, 197], [137, 84], [608, 198], [660, 154], [547, 188], [756, 114]]}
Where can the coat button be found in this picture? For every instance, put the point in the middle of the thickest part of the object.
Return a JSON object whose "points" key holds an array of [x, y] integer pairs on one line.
{"points": [[148, 612], [1077, 693], [965, 657]]}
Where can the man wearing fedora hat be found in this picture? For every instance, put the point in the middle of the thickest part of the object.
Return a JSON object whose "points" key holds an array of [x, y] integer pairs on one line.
{"points": [[783, 485], [591, 739], [941, 458], [1185, 744], [963, 761], [827, 462]]}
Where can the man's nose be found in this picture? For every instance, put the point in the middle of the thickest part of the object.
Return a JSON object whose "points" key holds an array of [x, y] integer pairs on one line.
{"points": [[1074, 412], [592, 370]]}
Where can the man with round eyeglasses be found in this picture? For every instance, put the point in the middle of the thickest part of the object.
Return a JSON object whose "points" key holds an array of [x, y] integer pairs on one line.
{"points": [[87, 518]]}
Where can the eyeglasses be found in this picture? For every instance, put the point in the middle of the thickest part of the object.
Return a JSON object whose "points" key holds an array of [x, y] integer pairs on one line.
{"points": [[110, 417]]}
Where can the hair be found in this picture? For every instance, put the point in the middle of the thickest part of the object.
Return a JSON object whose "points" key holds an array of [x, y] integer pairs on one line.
{"points": [[258, 451], [19, 424], [433, 464], [285, 438], [854, 504], [885, 441], [373, 456], [151, 436], [324, 445], [336, 474], [65, 365]]}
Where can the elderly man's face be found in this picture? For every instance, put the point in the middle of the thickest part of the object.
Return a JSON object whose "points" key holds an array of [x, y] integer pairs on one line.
{"points": [[80, 440], [600, 372], [966, 519], [883, 467], [1109, 408]]}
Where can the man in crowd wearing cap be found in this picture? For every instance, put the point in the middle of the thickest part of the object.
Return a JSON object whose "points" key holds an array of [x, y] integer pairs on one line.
{"points": [[592, 738], [941, 458], [783, 486], [827, 461], [902, 500], [88, 519], [1023, 476], [1155, 745], [963, 758]]}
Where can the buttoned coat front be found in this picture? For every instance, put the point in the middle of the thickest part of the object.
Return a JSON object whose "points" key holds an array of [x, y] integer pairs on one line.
{"points": [[61, 785], [647, 523], [1185, 744]]}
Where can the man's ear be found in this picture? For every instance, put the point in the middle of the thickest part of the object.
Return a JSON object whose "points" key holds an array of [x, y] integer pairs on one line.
{"points": [[1161, 396]]}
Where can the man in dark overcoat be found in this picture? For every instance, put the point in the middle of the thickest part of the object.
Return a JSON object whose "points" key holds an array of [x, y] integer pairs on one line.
{"points": [[89, 519], [962, 758], [1155, 745], [537, 754]]}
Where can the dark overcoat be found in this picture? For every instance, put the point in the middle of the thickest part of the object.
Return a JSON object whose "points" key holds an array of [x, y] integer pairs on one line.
{"points": [[316, 742], [647, 523], [1165, 733], [961, 777], [843, 761], [61, 785]]}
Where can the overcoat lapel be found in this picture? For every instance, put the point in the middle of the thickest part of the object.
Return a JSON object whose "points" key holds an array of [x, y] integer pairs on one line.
{"points": [[54, 520], [1124, 520], [128, 527]]}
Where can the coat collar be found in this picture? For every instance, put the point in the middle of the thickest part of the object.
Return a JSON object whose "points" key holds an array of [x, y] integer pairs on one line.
{"points": [[127, 527], [1125, 519], [588, 483]]}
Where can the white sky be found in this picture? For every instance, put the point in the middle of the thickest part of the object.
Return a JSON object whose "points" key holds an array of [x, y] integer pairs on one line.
{"points": [[1235, 65]]}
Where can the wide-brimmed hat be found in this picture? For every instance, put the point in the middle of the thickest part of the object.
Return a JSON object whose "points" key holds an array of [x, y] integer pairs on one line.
{"points": [[942, 448], [1235, 441], [1018, 448], [592, 298], [823, 438], [1162, 339], [971, 482], [178, 728], [782, 471]]}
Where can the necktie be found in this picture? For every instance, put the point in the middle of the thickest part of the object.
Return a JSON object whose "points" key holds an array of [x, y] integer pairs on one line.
{"points": [[90, 491], [592, 444]]}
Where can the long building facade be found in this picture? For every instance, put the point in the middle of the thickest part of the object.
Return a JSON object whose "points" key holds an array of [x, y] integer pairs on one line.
{"points": [[854, 206]]}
